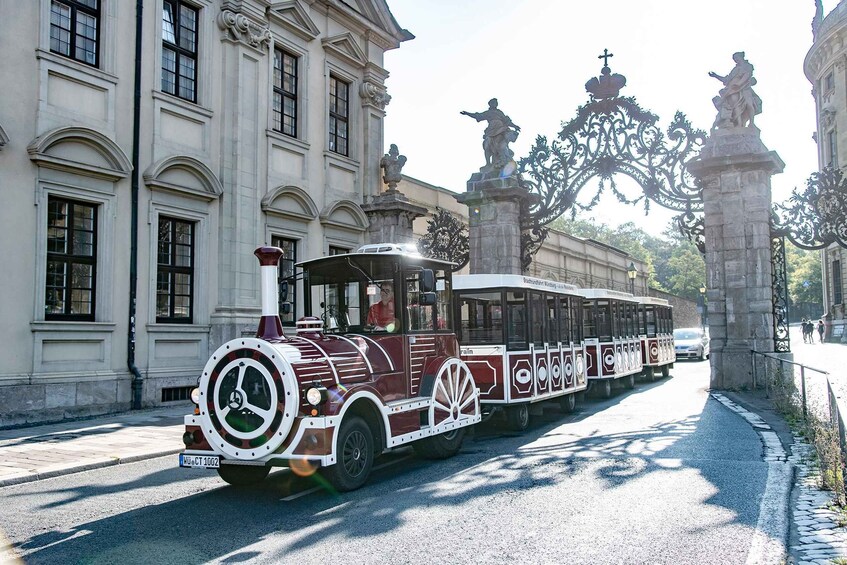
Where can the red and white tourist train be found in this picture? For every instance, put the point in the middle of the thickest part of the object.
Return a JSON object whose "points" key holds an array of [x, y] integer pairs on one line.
{"points": [[376, 363], [655, 320], [522, 339], [612, 345]]}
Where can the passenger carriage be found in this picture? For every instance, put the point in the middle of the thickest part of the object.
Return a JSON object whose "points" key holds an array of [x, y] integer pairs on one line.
{"points": [[522, 339], [655, 321], [345, 388], [612, 345]]}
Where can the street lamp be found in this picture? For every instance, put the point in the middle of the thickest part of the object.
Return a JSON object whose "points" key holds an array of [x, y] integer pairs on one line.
{"points": [[632, 272], [703, 302]]}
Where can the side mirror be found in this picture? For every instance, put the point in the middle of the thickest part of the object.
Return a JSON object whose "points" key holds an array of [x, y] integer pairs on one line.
{"points": [[427, 298], [283, 291], [427, 280]]}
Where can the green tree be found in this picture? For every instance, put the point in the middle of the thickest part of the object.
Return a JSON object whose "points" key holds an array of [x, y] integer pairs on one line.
{"points": [[804, 274]]}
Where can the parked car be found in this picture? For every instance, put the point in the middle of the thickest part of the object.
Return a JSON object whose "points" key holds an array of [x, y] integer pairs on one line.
{"points": [[691, 343]]}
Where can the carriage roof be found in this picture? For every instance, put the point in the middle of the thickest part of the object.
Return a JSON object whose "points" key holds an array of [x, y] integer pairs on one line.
{"points": [[652, 300], [598, 293], [474, 282], [407, 251]]}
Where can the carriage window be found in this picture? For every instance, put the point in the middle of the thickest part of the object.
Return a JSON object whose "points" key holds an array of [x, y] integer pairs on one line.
{"points": [[576, 320], [481, 316], [640, 321], [616, 319], [604, 320], [650, 314], [338, 305], [630, 319], [516, 329], [589, 325], [420, 317], [443, 298], [564, 319], [536, 304], [552, 320]]}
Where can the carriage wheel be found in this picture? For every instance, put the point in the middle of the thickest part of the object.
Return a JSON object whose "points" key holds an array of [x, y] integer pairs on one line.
{"points": [[630, 382], [243, 475], [455, 398], [355, 450], [518, 417], [567, 403], [440, 446], [666, 371], [606, 391], [649, 374]]}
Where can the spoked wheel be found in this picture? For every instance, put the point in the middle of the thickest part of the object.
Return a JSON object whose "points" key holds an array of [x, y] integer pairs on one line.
{"points": [[355, 455], [567, 403], [440, 446], [518, 417], [630, 382], [243, 475]]}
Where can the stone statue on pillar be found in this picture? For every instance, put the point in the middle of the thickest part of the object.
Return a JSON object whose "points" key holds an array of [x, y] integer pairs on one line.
{"points": [[736, 102], [496, 137], [392, 163]]}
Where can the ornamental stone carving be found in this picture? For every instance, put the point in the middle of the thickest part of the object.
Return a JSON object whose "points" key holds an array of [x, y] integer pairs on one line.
{"points": [[374, 95], [392, 163], [240, 28], [736, 102]]}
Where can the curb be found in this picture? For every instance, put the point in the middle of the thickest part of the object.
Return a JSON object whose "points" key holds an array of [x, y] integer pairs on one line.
{"points": [[28, 477]]}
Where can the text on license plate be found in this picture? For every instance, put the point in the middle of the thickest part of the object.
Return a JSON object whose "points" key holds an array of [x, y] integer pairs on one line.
{"points": [[206, 461]]}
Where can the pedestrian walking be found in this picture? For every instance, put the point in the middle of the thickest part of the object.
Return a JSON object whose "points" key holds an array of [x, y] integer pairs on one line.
{"points": [[804, 330], [821, 330]]}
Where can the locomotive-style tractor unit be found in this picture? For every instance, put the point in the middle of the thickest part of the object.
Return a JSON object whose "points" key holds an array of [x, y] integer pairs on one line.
{"points": [[374, 365]]}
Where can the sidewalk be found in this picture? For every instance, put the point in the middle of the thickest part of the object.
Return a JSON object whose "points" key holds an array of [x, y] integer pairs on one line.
{"points": [[40, 452]]}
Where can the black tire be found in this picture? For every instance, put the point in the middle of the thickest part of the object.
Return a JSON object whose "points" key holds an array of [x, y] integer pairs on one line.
{"points": [[606, 388], [355, 456], [630, 382], [440, 446], [666, 371], [567, 403], [518, 417], [649, 374], [243, 475]]}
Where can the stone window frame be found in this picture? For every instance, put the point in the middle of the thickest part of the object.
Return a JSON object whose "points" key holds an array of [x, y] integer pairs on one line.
{"points": [[828, 82], [837, 281], [106, 67], [180, 52], [284, 94], [345, 117], [831, 148], [75, 7], [202, 85]]}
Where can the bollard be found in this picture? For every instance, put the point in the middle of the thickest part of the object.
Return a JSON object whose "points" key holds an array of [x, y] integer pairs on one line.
{"points": [[803, 385]]}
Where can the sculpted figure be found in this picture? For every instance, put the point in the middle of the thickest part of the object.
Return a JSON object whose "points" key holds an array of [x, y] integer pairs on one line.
{"points": [[392, 163], [497, 135], [736, 102]]}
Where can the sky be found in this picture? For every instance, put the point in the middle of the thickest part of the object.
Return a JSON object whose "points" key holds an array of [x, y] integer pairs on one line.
{"points": [[535, 56]]}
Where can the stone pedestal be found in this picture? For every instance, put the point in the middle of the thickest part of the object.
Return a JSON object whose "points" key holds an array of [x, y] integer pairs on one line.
{"points": [[392, 217], [735, 170], [494, 231]]}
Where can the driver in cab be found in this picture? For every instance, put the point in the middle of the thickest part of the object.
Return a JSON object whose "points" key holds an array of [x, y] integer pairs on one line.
{"points": [[381, 314]]}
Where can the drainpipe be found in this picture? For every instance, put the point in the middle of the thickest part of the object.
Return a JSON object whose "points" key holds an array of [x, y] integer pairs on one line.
{"points": [[137, 379]]}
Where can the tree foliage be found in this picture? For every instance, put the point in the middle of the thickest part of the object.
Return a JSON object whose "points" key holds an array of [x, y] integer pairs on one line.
{"points": [[804, 274]]}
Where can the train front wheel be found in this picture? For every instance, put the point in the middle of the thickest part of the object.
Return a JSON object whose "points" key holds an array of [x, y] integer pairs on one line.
{"points": [[354, 458], [440, 446]]}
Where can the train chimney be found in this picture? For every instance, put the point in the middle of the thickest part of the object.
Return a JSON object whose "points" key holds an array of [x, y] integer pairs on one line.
{"points": [[270, 326]]}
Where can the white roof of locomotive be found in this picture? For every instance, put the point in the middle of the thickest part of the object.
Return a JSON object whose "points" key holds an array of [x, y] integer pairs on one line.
{"points": [[404, 249], [472, 282], [595, 293]]}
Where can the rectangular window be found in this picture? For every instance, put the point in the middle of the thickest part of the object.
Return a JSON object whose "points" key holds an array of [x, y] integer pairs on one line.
{"points": [[829, 83], [516, 325], [179, 49], [175, 273], [286, 279], [832, 149], [74, 29], [71, 260], [538, 314], [836, 283], [333, 250], [339, 93], [285, 93], [481, 320]]}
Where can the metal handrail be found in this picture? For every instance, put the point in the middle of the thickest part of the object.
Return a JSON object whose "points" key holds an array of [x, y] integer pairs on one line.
{"points": [[782, 363]]}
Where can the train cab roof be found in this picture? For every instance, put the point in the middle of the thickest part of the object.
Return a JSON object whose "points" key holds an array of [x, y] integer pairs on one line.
{"points": [[487, 281], [605, 293], [407, 252]]}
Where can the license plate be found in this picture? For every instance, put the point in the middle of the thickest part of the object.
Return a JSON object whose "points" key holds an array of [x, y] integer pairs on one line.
{"points": [[204, 461]]}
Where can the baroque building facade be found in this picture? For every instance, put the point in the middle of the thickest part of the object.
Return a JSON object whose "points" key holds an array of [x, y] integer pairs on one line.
{"points": [[220, 125], [826, 68]]}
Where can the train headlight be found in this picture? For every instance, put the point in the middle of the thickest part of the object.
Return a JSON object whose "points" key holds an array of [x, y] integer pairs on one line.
{"points": [[195, 396], [316, 395]]}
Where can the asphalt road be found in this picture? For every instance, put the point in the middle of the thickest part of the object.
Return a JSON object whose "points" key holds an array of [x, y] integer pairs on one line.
{"points": [[663, 474]]}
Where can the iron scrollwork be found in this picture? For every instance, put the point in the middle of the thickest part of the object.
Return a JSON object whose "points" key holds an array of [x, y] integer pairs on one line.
{"points": [[446, 238], [781, 340], [693, 227], [816, 217], [609, 136]]}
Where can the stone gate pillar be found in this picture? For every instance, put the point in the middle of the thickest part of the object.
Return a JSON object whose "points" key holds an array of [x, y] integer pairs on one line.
{"points": [[735, 169], [392, 218], [494, 214]]}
